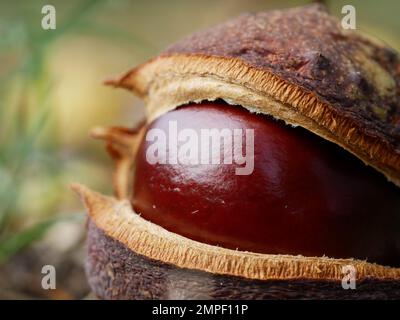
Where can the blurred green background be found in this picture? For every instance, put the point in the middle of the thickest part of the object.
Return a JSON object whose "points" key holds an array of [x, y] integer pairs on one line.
{"points": [[51, 94]]}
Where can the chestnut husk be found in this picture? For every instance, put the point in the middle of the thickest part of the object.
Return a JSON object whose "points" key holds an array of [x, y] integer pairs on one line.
{"points": [[337, 84], [131, 258]]}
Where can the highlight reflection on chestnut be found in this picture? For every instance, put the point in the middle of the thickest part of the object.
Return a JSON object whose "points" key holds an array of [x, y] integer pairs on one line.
{"points": [[305, 196]]}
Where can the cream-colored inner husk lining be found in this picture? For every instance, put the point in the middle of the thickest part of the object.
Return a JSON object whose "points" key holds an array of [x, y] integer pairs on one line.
{"points": [[168, 82], [117, 219]]}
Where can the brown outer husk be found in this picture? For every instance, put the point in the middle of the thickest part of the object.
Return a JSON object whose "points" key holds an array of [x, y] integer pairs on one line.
{"points": [[116, 272], [298, 65]]}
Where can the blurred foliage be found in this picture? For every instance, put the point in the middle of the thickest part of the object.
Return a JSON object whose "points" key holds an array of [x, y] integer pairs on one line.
{"points": [[28, 162], [51, 92], [19, 240], [21, 158]]}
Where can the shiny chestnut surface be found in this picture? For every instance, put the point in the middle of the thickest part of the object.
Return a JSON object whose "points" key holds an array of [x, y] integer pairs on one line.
{"points": [[305, 196]]}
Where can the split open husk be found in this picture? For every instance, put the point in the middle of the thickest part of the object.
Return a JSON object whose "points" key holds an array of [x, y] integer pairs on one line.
{"points": [[298, 65], [349, 97], [132, 258]]}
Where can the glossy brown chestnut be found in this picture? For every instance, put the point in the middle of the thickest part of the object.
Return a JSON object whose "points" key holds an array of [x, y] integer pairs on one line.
{"points": [[305, 196]]}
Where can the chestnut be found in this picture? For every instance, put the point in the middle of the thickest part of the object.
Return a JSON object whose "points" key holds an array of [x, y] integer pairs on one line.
{"points": [[305, 195], [320, 198]]}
